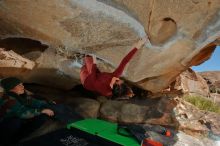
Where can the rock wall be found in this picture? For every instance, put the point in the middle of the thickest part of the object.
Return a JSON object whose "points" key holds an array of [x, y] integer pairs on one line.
{"points": [[190, 82], [213, 80], [181, 34]]}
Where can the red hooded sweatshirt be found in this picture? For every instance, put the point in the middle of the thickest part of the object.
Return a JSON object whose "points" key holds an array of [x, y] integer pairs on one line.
{"points": [[100, 81]]}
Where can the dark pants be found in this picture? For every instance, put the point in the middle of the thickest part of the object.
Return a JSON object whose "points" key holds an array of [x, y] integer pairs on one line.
{"points": [[64, 113], [14, 129]]}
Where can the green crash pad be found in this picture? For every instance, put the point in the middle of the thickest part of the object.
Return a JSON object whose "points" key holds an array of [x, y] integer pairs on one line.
{"points": [[105, 130]]}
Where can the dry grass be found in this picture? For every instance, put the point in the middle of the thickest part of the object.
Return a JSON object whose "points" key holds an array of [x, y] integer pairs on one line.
{"points": [[202, 103]]}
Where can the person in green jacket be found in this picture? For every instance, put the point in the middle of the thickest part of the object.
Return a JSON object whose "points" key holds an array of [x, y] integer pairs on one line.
{"points": [[20, 114]]}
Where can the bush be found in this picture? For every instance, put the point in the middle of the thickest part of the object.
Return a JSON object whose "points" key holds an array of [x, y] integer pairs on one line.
{"points": [[203, 104]]}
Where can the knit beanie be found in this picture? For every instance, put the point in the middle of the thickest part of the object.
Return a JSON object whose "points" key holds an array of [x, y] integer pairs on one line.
{"points": [[9, 83]]}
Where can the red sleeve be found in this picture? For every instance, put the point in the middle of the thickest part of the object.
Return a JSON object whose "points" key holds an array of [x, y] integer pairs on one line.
{"points": [[97, 70], [119, 70], [93, 72]]}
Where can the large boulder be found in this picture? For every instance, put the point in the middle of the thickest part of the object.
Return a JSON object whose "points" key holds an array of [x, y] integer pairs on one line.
{"points": [[182, 34], [12, 63], [194, 121], [212, 77], [151, 111], [190, 82], [213, 80], [187, 140]]}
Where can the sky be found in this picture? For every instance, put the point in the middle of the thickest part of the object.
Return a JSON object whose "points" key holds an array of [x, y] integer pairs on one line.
{"points": [[213, 64]]}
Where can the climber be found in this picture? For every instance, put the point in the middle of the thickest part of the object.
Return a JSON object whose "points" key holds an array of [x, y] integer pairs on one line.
{"points": [[104, 83], [20, 114]]}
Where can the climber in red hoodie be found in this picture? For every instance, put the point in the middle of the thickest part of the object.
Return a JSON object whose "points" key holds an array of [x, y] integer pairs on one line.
{"points": [[104, 83]]}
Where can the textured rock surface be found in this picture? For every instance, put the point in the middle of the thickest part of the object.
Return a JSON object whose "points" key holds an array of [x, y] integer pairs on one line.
{"points": [[211, 76], [152, 111], [10, 58], [187, 140], [13, 64], [181, 34], [88, 108], [195, 121], [213, 80], [191, 82]]}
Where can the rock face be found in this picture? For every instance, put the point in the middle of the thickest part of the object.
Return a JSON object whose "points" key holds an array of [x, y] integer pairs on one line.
{"points": [[182, 34], [191, 82], [187, 140], [13, 64], [213, 80], [194, 121]]}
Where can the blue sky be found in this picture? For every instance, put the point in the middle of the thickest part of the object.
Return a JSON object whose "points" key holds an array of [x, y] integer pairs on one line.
{"points": [[213, 64]]}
